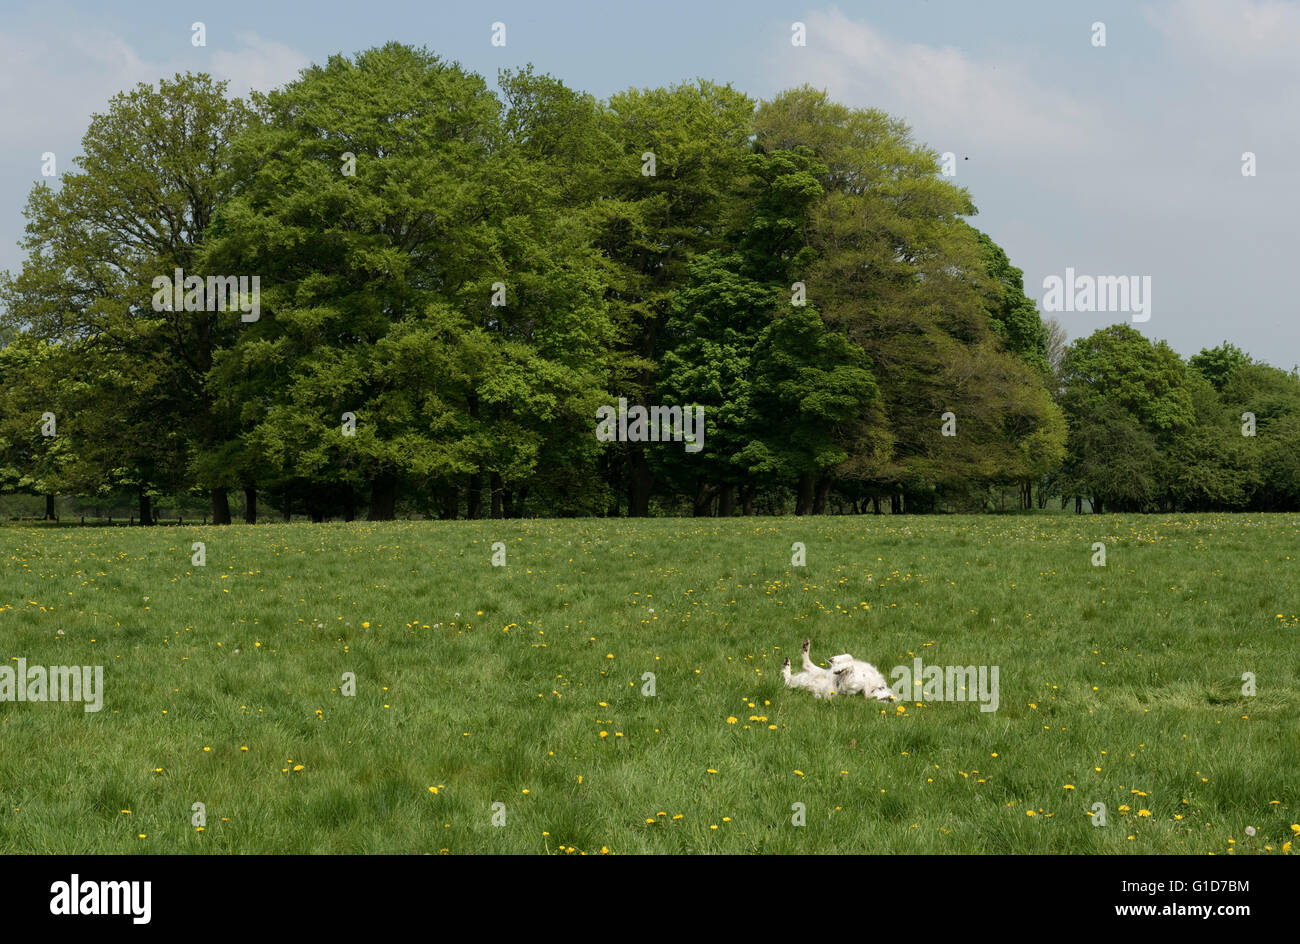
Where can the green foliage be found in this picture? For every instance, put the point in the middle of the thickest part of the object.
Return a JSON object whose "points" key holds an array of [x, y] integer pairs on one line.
{"points": [[470, 277], [1219, 364]]}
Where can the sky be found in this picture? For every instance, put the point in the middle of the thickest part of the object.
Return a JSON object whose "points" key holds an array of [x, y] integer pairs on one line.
{"points": [[1123, 159]]}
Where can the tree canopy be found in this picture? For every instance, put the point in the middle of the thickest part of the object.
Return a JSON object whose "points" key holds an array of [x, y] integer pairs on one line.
{"points": [[449, 282]]}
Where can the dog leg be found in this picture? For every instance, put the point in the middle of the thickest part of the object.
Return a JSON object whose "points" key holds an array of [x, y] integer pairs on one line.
{"points": [[808, 665]]}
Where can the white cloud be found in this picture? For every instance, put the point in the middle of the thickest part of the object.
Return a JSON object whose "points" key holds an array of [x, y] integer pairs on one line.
{"points": [[1241, 35], [52, 81], [51, 84], [949, 97], [1130, 168], [257, 63], [41, 104]]}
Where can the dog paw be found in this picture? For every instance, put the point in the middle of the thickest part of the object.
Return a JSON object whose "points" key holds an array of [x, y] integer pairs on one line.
{"points": [[807, 644], [786, 663]]}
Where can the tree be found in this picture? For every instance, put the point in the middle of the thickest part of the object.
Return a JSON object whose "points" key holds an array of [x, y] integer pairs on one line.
{"points": [[1217, 365], [669, 194], [808, 381], [154, 168], [1127, 400], [893, 267], [1013, 316], [441, 294], [1056, 343]]}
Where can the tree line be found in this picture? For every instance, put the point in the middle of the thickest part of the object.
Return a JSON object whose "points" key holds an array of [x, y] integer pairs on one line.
{"points": [[454, 281]]}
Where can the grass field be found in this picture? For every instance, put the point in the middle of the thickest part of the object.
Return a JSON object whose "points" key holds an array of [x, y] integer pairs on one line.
{"points": [[523, 685]]}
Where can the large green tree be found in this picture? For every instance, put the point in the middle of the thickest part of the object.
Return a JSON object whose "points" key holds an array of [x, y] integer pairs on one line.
{"points": [[420, 272], [137, 207]]}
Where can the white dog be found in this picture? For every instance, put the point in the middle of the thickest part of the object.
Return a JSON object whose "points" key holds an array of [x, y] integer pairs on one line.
{"points": [[819, 681], [853, 676]]}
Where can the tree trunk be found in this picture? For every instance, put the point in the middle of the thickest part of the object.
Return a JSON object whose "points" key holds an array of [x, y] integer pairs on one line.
{"points": [[146, 510], [508, 503], [475, 497], [823, 493], [875, 505], [639, 484], [220, 506], [704, 500], [349, 503], [497, 511], [747, 495], [383, 496], [896, 503], [288, 504], [49, 507], [250, 504], [803, 500], [727, 501], [450, 504]]}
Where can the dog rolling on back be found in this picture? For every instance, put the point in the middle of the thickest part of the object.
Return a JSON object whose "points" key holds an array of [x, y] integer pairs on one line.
{"points": [[819, 681], [854, 677]]}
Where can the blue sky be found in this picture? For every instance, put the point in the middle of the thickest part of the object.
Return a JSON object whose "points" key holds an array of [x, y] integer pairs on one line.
{"points": [[1120, 160]]}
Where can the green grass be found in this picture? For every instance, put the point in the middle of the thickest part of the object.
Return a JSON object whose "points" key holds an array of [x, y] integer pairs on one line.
{"points": [[494, 683]]}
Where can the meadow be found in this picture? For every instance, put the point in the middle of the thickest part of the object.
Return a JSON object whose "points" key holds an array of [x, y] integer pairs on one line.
{"points": [[526, 685]]}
